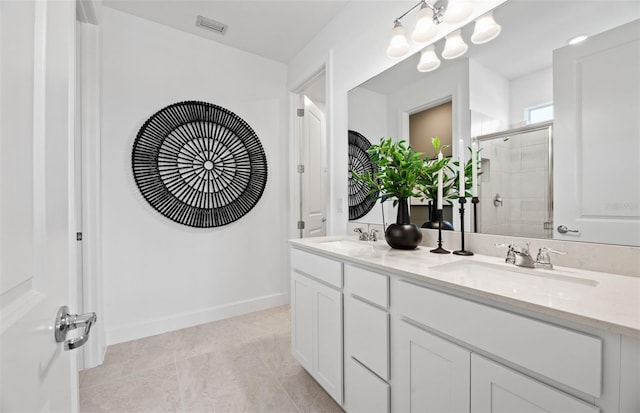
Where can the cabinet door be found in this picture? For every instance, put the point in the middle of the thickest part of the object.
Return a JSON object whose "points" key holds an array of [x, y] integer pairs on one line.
{"points": [[328, 339], [433, 374], [498, 389], [317, 331], [302, 293]]}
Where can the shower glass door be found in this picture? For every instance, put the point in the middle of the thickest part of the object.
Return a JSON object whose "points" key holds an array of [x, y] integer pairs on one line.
{"points": [[515, 188]]}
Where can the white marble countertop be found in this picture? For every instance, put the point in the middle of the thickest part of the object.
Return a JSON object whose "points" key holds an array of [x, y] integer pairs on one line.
{"points": [[605, 301]]}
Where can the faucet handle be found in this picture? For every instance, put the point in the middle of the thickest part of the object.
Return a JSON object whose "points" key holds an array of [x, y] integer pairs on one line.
{"points": [[544, 260], [552, 251], [373, 235], [511, 253]]}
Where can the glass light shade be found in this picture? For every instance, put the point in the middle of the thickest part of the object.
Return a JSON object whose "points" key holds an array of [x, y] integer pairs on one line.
{"points": [[457, 11], [428, 59], [399, 45], [425, 29], [454, 46], [486, 29]]}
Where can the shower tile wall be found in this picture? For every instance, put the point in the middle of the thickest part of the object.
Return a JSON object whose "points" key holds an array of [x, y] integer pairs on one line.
{"points": [[517, 170]]}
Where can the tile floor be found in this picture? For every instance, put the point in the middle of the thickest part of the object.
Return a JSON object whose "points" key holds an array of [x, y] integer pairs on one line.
{"points": [[242, 364]]}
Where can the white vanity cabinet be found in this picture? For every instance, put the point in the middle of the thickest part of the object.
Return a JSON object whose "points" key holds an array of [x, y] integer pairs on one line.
{"points": [[317, 318], [411, 345], [435, 374]]}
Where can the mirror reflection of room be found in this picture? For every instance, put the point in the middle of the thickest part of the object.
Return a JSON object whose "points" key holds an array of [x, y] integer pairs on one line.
{"points": [[424, 125], [533, 182]]}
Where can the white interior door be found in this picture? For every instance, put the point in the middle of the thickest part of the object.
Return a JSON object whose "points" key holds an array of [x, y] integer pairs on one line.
{"points": [[314, 176], [37, 203], [597, 138]]}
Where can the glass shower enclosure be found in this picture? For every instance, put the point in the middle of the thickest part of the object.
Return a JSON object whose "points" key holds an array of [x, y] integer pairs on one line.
{"points": [[516, 185]]}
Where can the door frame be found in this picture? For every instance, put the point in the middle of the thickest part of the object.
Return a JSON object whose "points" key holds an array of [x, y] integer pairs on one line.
{"points": [[296, 101], [89, 77]]}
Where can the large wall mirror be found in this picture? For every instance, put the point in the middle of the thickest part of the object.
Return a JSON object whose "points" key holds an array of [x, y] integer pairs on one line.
{"points": [[558, 123]]}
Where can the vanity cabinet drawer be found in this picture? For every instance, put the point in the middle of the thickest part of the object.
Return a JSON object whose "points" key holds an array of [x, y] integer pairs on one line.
{"points": [[367, 284], [368, 336], [322, 268], [366, 393], [563, 355]]}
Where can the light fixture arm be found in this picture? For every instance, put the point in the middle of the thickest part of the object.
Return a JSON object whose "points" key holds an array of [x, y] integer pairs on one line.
{"points": [[439, 8]]}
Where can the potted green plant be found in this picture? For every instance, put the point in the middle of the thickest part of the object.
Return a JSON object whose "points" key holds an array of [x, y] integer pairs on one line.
{"points": [[399, 168]]}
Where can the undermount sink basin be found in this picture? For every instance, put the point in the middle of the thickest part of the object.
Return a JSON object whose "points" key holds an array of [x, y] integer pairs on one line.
{"points": [[347, 245], [518, 280], [484, 268]]}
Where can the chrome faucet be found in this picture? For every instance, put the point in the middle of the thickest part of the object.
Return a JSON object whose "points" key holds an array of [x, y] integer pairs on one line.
{"points": [[524, 258], [363, 236], [517, 255], [543, 260]]}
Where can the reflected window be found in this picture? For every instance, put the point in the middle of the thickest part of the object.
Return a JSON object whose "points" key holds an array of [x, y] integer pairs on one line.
{"points": [[537, 114]]}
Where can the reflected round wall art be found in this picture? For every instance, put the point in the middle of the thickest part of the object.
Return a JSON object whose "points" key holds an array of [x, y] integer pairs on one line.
{"points": [[360, 200], [199, 164]]}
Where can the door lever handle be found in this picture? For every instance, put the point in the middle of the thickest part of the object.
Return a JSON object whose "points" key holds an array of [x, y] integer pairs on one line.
{"points": [[563, 229], [66, 322]]}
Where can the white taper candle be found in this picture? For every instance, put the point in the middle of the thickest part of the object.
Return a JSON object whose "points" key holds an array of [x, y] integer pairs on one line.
{"points": [[461, 168], [474, 169], [440, 182]]}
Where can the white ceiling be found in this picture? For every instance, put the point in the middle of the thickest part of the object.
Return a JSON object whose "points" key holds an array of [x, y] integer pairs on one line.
{"points": [[277, 30], [531, 30]]}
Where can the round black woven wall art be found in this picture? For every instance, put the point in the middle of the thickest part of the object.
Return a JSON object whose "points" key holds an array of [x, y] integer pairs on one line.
{"points": [[360, 200], [199, 164]]}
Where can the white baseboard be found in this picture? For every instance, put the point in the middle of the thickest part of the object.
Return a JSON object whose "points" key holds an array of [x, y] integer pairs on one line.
{"points": [[184, 320]]}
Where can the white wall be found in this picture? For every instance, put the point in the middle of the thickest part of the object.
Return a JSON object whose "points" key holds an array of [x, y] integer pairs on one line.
{"points": [[353, 47], [159, 275], [530, 90], [489, 97]]}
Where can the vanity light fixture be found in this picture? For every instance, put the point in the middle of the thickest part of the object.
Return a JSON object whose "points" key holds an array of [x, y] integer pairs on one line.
{"points": [[454, 46], [458, 11], [428, 59], [425, 29], [399, 45], [486, 29], [428, 17]]}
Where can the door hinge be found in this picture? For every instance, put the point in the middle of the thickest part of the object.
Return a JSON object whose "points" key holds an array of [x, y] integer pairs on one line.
{"points": [[78, 236], [300, 113], [300, 224], [300, 169]]}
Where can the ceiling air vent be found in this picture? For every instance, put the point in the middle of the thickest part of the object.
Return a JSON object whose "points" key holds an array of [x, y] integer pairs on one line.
{"points": [[212, 25]]}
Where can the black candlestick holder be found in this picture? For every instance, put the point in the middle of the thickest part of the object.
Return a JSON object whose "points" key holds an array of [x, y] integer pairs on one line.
{"points": [[439, 250], [462, 200], [474, 201]]}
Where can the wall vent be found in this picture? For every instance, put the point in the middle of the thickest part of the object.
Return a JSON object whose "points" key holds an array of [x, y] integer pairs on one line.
{"points": [[211, 25]]}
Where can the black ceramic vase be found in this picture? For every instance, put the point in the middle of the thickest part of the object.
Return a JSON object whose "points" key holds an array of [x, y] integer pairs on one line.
{"points": [[403, 235], [432, 223]]}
